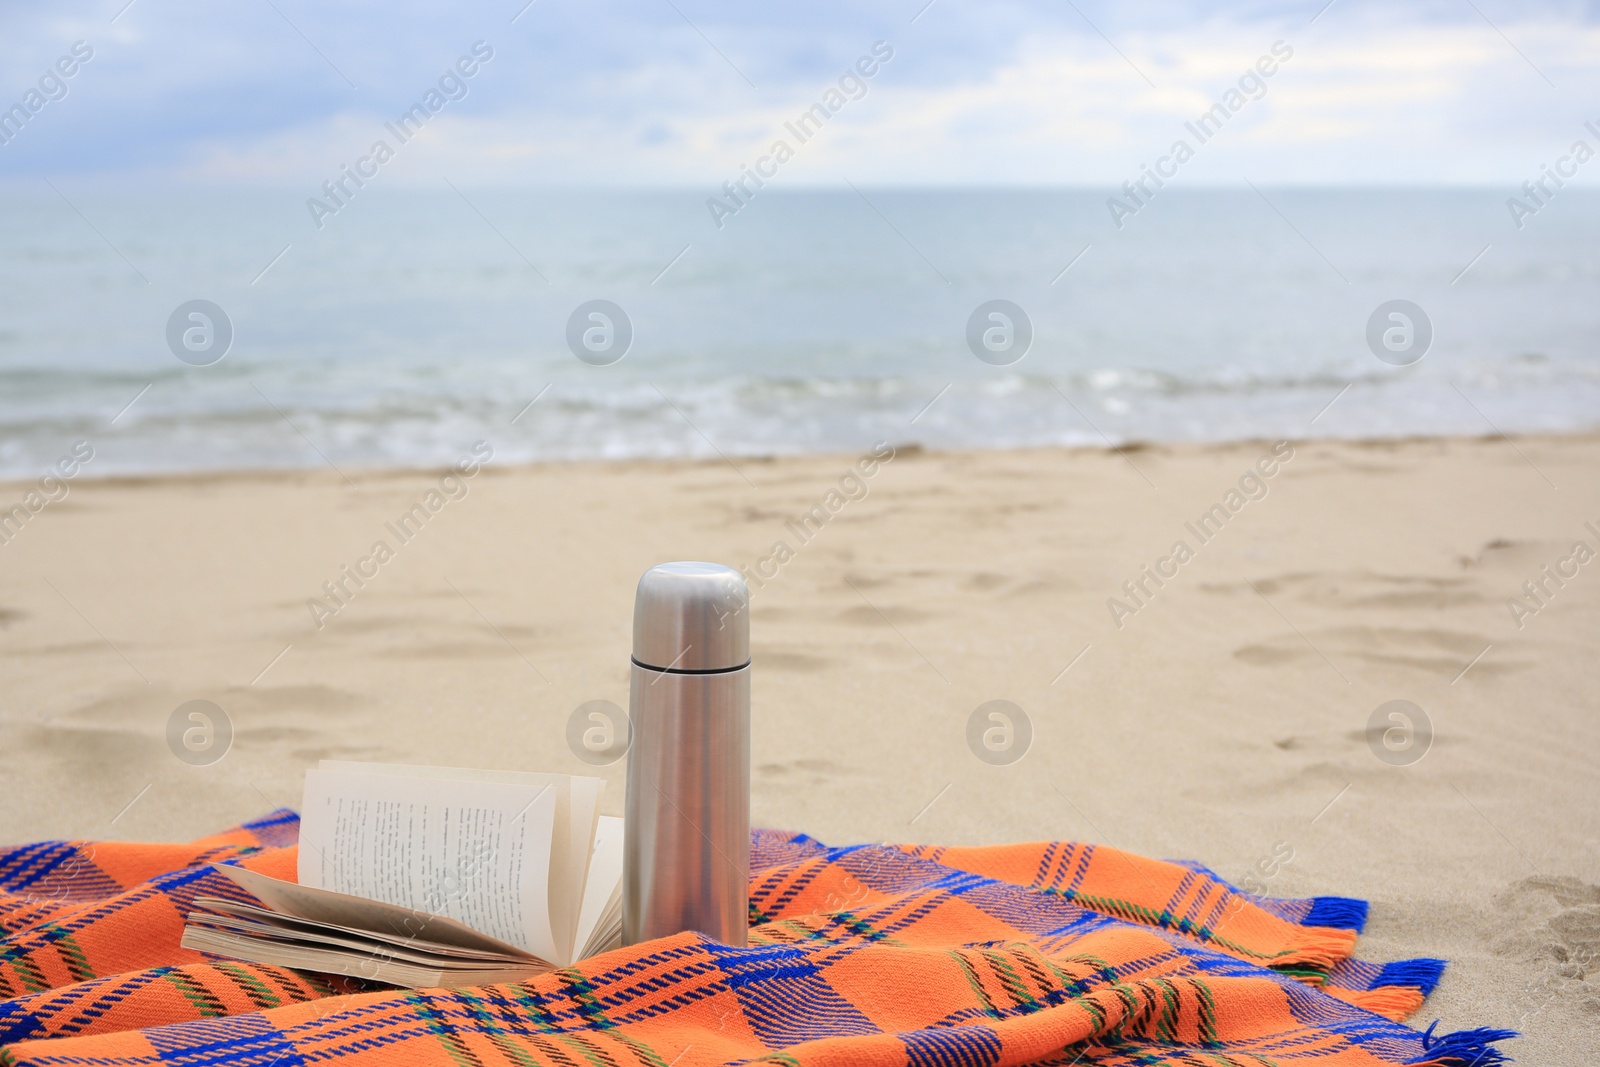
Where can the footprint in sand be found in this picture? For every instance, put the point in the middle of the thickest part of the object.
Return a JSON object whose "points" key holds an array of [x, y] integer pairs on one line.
{"points": [[1553, 922]]}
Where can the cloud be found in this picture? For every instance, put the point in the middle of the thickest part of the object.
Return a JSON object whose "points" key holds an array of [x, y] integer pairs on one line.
{"points": [[635, 94]]}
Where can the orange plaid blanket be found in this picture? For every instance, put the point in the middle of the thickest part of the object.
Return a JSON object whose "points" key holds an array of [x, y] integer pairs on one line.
{"points": [[1047, 953]]}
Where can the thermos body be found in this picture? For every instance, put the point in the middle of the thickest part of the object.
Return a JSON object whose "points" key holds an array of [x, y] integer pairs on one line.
{"points": [[686, 837]]}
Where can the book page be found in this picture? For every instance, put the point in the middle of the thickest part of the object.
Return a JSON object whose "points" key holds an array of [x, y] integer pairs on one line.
{"points": [[336, 961], [577, 808], [322, 911], [602, 894], [473, 851], [285, 931], [585, 828]]}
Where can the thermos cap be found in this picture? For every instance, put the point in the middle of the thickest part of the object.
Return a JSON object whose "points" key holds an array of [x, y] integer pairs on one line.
{"points": [[691, 617]]}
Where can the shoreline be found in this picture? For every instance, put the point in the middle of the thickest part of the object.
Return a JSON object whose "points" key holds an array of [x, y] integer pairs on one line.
{"points": [[201, 476]]}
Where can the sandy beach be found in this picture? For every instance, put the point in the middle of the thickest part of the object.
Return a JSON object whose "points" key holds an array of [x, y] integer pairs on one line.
{"points": [[1212, 703]]}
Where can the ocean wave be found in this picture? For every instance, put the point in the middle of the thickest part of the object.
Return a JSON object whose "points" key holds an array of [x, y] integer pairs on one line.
{"points": [[270, 422]]}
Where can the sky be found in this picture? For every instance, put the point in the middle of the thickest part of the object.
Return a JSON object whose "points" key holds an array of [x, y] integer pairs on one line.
{"points": [[689, 92]]}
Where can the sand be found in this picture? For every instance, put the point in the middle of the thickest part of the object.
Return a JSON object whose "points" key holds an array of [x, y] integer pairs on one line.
{"points": [[1225, 719]]}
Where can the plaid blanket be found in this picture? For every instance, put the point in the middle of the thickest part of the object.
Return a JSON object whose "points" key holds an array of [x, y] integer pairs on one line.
{"points": [[1048, 953]]}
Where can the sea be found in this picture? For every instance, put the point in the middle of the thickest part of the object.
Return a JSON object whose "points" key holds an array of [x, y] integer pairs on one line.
{"points": [[411, 323]]}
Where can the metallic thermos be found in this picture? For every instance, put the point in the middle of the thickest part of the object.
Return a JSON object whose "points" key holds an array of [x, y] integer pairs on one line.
{"points": [[686, 840]]}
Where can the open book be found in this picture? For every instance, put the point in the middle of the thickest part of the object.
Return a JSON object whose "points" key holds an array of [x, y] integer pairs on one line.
{"points": [[428, 876]]}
